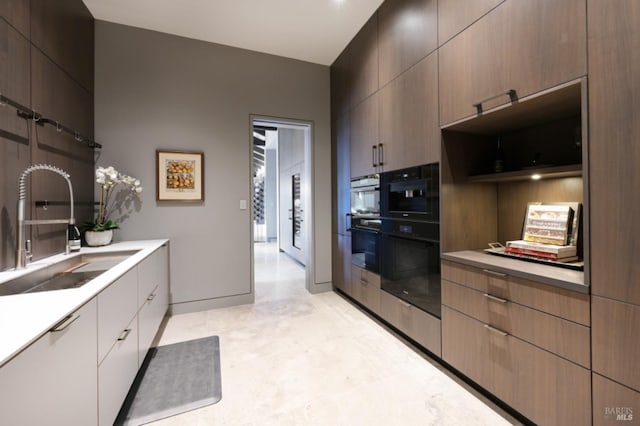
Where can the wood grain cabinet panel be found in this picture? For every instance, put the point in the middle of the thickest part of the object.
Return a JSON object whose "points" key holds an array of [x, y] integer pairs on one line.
{"points": [[614, 105], [341, 165], [523, 46], [362, 79], [16, 13], [364, 138], [365, 288], [63, 30], [341, 263], [416, 324], [456, 15], [543, 387], [553, 300], [407, 32], [564, 338], [409, 130], [613, 403], [615, 343]]}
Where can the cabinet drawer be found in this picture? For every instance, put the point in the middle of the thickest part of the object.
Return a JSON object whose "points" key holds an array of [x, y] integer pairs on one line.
{"points": [[543, 387], [53, 382], [117, 305], [365, 288], [614, 403], [116, 374], [562, 337], [553, 300], [418, 325], [150, 271], [616, 347], [149, 318]]}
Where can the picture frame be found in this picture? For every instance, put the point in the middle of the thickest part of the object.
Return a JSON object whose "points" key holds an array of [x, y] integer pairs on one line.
{"points": [[179, 176]]}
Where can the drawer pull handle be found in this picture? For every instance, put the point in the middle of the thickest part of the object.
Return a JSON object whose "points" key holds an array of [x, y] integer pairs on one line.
{"points": [[513, 97], [495, 330], [65, 323], [124, 334], [364, 282], [497, 274], [406, 305], [497, 299], [151, 297]]}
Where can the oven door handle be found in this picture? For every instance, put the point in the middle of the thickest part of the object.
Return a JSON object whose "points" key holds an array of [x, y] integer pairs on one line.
{"points": [[361, 228], [410, 238]]}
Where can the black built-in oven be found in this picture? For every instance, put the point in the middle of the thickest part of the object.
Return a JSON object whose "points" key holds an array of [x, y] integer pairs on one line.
{"points": [[365, 222], [410, 236]]}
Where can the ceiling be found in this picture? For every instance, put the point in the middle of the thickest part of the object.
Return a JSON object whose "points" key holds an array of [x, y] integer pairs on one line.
{"points": [[309, 30]]}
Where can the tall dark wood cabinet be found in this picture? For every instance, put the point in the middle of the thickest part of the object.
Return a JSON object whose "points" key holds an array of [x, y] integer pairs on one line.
{"points": [[614, 105]]}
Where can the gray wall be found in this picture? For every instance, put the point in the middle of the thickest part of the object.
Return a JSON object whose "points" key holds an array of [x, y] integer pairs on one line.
{"points": [[154, 90]]}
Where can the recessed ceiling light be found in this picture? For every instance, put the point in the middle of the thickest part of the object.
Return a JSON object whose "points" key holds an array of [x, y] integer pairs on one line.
{"points": [[536, 177]]}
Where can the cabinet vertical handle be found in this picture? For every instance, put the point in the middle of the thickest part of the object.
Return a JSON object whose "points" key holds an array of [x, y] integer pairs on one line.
{"points": [[124, 334], [374, 155], [151, 297], [65, 323], [495, 330], [380, 155], [513, 97]]}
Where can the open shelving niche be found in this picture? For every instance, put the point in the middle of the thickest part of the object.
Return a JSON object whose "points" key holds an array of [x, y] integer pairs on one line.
{"points": [[545, 134]]}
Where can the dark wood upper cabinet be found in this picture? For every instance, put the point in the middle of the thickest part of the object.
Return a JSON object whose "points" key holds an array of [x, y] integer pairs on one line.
{"points": [[63, 30], [339, 75], [16, 13], [362, 80], [522, 46], [409, 130], [614, 107], [407, 32], [364, 138], [455, 15]]}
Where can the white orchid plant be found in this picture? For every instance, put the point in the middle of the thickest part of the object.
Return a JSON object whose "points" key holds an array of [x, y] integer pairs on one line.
{"points": [[109, 180]]}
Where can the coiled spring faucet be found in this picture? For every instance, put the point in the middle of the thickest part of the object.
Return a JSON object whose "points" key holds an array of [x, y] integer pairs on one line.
{"points": [[22, 251]]}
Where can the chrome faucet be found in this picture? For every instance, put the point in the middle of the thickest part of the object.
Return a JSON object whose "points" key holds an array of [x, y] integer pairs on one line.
{"points": [[22, 251]]}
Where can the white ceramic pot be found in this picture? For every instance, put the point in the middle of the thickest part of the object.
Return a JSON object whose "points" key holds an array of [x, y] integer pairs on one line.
{"points": [[98, 238]]}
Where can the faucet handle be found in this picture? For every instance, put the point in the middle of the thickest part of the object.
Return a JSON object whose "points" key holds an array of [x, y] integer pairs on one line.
{"points": [[28, 254]]}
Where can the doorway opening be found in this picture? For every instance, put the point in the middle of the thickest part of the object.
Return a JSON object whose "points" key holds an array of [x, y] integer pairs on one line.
{"points": [[282, 200]]}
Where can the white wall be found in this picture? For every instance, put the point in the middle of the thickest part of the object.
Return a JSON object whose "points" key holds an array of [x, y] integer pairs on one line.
{"points": [[154, 90]]}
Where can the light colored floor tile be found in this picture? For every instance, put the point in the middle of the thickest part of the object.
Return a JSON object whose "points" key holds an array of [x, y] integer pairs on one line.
{"points": [[293, 358]]}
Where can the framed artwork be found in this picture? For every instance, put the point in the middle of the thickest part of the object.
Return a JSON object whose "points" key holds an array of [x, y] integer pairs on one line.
{"points": [[179, 176]]}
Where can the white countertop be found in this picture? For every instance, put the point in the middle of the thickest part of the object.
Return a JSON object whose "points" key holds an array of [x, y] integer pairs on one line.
{"points": [[26, 317]]}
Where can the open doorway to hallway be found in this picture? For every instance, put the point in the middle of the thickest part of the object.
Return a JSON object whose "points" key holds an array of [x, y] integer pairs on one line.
{"points": [[281, 169]]}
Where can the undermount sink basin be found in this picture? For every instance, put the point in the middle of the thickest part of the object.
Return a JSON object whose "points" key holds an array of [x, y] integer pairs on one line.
{"points": [[68, 274]]}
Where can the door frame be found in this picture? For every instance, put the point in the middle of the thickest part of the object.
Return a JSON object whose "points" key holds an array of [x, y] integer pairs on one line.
{"points": [[308, 191]]}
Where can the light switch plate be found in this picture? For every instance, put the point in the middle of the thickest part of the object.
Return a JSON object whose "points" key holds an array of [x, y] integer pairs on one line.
{"points": [[243, 204]]}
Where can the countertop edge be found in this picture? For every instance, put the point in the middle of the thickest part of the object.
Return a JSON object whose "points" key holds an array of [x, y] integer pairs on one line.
{"points": [[16, 308], [515, 267]]}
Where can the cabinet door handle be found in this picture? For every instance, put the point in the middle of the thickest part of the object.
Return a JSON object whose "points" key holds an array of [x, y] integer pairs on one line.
{"points": [[497, 299], [497, 274], [405, 304], [380, 155], [124, 334], [513, 97], [374, 155], [151, 297], [495, 330], [65, 323]]}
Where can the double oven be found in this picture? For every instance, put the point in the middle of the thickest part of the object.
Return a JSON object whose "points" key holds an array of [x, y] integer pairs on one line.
{"points": [[395, 232]]}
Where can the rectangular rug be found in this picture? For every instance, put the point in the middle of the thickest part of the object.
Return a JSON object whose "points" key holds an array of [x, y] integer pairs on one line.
{"points": [[174, 379]]}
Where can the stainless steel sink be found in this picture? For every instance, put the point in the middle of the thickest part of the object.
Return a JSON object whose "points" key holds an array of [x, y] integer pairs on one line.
{"points": [[68, 274]]}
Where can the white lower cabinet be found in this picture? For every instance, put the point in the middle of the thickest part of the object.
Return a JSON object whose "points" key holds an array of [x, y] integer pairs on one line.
{"points": [[80, 372], [54, 382], [116, 374]]}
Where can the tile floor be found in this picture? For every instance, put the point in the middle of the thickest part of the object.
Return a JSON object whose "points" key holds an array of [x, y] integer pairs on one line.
{"points": [[293, 358]]}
